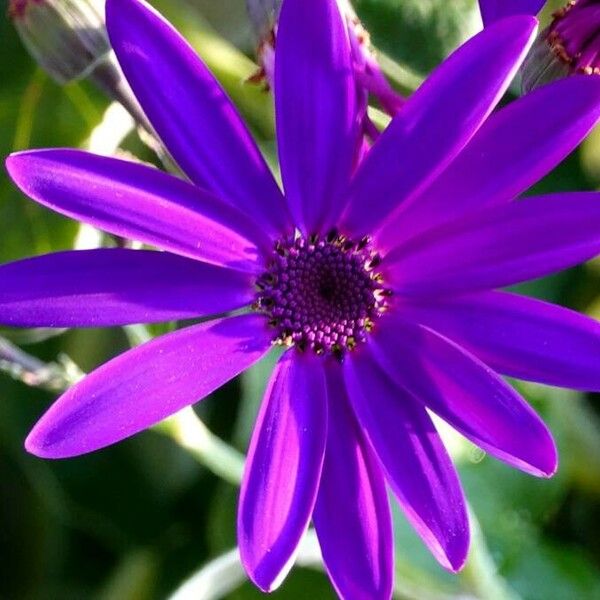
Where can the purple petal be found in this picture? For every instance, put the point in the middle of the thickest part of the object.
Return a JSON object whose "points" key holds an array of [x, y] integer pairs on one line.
{"points": [[97, 288], [500, 246], [283, 469], [140, 203], [192, 114], [316, 108], [467, 394], [352, 513], [492, 10], [518, 336], [413, 456], [436, 122], [147, 384], [513, 150]]}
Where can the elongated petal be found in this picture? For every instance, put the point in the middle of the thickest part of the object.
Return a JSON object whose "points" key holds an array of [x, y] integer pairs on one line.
{"points": [[413, 456], [436, 122], [192, 114], [316, 108], [283, 469], [513, 150], [518, 336], [147, 384], [492, 10], [96, 288], [139, 203], [352, 513], [467, 394], [500, 246]]}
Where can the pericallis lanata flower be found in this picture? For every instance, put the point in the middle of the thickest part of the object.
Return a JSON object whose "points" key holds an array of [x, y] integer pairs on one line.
{"points": [[569, 45], [380, 279]]}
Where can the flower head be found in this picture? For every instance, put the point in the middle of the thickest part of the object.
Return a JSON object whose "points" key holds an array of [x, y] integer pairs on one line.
{"points": [[379, 279], [569, 45]]}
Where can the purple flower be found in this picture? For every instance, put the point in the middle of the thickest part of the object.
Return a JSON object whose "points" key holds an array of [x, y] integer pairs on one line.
{"points": [[569, 45], [378, 280]]}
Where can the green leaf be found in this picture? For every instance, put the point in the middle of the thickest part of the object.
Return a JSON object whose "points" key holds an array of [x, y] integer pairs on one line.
{"points": [[419, 34]]}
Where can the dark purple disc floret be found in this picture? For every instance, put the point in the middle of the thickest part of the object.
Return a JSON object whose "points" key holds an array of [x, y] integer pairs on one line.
{"points": [[322, 293]]}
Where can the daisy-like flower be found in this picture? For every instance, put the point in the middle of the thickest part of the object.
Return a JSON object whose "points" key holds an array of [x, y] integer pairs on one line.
{"points": [[569, 45], [379, 281]]}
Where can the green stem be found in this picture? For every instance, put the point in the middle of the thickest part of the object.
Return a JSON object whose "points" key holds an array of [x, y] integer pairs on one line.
{"points": [[189, 432], [480, 574]]}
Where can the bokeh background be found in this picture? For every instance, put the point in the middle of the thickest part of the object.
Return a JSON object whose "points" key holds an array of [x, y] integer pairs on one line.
{"points": [[133, 521]]}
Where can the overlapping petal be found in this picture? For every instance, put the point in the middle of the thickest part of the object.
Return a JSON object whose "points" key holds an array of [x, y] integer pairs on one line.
{"points": [[96, 288], [518, 336], [140, 203], [513, 149], [192, 114], [467, 394], [436, 123], [500, 246], [492, 10], [316, 109], [413, 456], [283, 469], [143, 386], [352, 514]]}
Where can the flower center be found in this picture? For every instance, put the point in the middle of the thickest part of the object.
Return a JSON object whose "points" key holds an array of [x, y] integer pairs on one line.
{"points": [[574, 36], [322, 293]]}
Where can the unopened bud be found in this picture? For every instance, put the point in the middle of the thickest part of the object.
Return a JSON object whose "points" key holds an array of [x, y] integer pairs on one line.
{"points": [[67, 38], [570, 45]]}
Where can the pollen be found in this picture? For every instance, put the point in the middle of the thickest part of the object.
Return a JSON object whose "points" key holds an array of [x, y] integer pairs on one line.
{"points": [[322, 293]]}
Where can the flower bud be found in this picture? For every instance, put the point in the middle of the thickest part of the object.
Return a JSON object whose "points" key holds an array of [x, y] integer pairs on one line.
{"points": [[67, 38], [570, 45]]}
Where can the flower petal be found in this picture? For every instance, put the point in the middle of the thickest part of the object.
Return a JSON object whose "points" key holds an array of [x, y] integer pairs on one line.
{"points": [[518, 336], [500, 246], [436, 123], [283, 468], [192, 114], [492, 10], [352, 513], [513, 150], [147, 384], [316, 108], [97, 288], [413, 456], [467, 394], [140, 203]]}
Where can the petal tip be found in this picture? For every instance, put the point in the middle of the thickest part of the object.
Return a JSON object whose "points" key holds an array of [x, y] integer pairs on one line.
{"points": [[261, 573], [34, 444]]}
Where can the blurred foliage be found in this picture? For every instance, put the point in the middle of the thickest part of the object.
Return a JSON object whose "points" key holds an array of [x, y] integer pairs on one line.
{"points": [[133, 521], [416, 33]]}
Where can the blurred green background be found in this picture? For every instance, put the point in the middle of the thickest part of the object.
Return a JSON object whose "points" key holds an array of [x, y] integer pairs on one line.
{"points": [[133, 521]]}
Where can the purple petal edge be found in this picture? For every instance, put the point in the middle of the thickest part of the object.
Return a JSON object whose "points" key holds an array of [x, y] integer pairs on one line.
{"points": [[147, 384]]}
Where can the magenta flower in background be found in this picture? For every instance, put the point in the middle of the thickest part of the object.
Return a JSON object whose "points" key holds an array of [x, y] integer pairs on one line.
{"points": [[569, 45], [380, 283]]}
